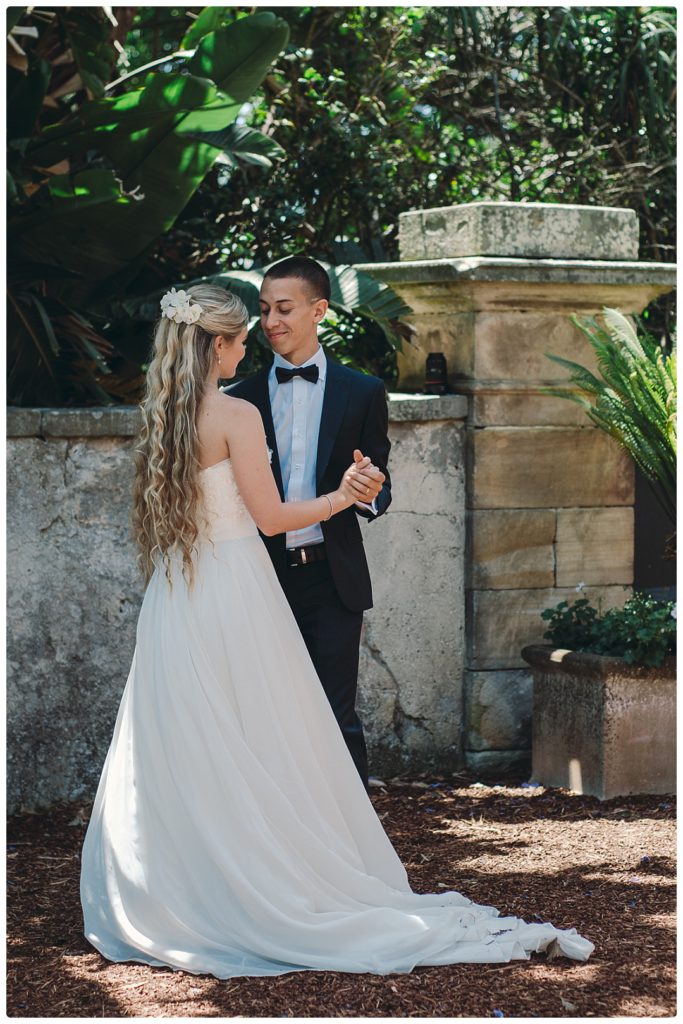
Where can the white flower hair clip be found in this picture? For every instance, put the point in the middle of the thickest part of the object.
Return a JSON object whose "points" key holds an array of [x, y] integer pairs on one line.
{"points": [[178, 306]]}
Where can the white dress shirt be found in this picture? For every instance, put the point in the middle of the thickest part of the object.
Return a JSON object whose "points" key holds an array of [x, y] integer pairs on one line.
{"points": [[297, 407]]}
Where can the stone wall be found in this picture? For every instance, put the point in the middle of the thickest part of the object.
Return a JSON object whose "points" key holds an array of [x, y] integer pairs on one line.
{"points": [[74, 594]]}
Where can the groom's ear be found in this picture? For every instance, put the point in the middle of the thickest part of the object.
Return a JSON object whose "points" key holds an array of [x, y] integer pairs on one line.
{"points": [[320, 309]]}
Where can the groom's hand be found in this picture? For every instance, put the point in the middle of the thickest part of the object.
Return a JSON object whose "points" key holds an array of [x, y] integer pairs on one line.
{"points": [[365, 479]]}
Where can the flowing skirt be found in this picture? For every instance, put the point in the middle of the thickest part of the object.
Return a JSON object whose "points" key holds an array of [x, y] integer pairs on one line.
{"points": [[231, 834]]}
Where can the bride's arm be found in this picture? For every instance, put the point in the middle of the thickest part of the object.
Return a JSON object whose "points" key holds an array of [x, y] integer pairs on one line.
{"points": [[249, 455]]}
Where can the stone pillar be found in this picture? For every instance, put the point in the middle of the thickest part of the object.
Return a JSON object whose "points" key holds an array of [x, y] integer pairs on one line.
{"points": [[549, 497], [410, 682]]}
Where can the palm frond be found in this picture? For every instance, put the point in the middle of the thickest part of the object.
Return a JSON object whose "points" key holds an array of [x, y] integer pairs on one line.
{"points": [[634, 393]]}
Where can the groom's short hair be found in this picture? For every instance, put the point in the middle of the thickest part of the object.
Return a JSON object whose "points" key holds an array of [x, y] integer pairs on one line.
{"points": [[306, 269]]}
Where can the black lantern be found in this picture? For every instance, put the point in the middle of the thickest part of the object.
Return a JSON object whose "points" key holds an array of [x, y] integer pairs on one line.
{"points": [[436, 381]]}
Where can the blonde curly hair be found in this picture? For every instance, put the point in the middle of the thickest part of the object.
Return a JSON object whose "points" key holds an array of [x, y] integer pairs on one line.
{"points": [[165, 491]]}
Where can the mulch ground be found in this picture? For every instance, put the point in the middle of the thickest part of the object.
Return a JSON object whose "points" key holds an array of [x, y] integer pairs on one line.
{"points": [[606, 868]]}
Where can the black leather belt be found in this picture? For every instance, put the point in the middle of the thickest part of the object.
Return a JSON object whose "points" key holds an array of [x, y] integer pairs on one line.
{"points": [[305, 555]]}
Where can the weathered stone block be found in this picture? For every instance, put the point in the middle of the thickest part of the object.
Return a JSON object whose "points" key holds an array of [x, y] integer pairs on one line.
{"points": [[503, 228], [432, 468], [23, 422], [117, 420], [594, 545], [412, 650], [513, 346], [546, 467], [511, 548], [501, 404], [498, 710], [602, 726], [451, 333], [501, 622], [500, 283], [492, 346], [426, 408]]}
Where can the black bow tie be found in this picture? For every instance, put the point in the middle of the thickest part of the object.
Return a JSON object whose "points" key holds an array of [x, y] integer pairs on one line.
{"points": [[307, 372]]}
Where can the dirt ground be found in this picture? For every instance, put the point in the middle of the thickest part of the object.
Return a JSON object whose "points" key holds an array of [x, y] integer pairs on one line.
{"points": [[606, 869]]}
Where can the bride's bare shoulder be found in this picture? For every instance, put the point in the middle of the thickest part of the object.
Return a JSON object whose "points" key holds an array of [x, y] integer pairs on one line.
{"points": [[239, 413]]}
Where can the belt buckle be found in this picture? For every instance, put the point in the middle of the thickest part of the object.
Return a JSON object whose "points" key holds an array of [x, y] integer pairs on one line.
{"points": [[303, 556]]}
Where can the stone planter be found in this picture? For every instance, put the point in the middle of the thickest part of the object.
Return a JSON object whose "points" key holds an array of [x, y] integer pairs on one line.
{"points": [[601, 726]]}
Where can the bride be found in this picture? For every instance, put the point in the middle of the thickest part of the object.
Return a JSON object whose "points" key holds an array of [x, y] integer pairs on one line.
{"points": [[231, 833]]}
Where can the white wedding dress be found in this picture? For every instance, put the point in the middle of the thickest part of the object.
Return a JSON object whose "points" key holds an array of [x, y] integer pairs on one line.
{"points": [[231, 834]]}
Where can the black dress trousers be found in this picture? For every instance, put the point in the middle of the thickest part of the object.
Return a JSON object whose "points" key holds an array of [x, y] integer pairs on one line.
{"points": [[332, 635]]}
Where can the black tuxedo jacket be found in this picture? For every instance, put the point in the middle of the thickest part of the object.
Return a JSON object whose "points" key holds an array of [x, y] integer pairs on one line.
{"points": [[354, 415]]}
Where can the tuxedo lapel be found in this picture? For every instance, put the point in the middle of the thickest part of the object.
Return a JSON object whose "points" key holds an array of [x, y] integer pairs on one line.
{"points": [[259, 395], [334, 405]]}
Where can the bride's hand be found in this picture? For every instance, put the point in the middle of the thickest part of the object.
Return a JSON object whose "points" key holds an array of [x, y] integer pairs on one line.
{"points": [[366, 480], [351, 487]]}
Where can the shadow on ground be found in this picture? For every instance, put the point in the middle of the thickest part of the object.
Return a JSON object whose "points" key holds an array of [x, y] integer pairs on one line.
{"points": [[606, 869]]}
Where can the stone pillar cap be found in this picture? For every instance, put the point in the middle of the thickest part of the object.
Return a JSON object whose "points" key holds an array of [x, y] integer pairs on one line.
{"points": [[532, 230]]}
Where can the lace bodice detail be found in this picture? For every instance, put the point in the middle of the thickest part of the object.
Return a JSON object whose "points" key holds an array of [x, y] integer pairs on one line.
{"points": [[225, 509]]}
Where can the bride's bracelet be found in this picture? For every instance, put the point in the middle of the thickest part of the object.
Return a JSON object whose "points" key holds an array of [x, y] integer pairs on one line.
{"points": [[331, 509]]}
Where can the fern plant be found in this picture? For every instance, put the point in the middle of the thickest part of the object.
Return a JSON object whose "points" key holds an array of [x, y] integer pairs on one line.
{"points": [[633, 399]]}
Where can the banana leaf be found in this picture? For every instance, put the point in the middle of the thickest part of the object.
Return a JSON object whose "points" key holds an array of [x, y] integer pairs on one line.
{"points": [[240, 143], [148, 134], [88, 38], [25, 97], [13, 15], [206, 21], [356, 293], [62, 232], [237, 58]]}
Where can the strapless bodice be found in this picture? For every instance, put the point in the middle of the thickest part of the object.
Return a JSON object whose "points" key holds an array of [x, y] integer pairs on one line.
{"points": [[228, 516]]}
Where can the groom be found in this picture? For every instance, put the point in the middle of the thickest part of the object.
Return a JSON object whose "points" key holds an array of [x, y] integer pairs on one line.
{"points": [[319, 417]]}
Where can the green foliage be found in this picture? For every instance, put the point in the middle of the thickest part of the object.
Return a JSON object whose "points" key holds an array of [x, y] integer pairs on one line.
{"points": [[572, 626], [382, 110], [642, 632], [378, 110], [96, 190], [208, 20], [238, 143], [633, 399], [88, 39]]}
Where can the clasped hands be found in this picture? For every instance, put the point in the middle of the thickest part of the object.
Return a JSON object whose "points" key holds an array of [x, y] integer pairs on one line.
{"points": [[362, 480]]}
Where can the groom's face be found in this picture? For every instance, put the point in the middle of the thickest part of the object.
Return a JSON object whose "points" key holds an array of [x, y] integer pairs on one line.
{"points": [[290, 315]]}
